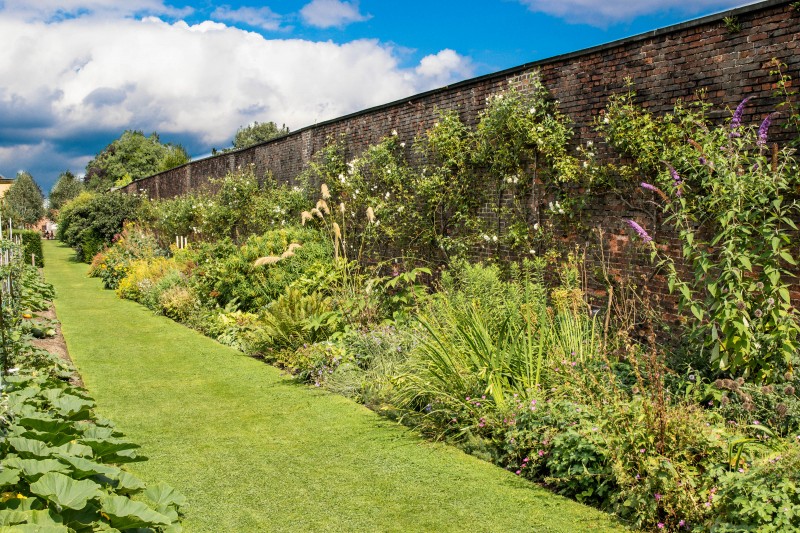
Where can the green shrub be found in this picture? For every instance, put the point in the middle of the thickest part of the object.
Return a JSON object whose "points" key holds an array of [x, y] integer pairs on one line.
{"points": [[374, 357], [31, 246], [295, 319], [315, 362], [764, 498], [142, 275], [90, 221], [732, 200], [113, 264], [226, 273], [179, 303]]}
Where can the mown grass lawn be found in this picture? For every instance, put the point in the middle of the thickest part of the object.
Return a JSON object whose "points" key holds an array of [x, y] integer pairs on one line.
{"points": [[254, 451]]}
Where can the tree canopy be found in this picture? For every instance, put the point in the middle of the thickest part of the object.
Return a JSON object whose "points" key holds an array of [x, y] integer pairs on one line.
{"points": [[255, 133], [131, 157], [24, 202], [66, 188]]}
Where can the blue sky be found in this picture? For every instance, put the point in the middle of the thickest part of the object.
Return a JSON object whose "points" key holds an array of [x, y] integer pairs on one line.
{"points": [[74, 74]]}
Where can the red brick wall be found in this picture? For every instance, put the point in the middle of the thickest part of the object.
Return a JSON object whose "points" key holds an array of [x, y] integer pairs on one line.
{"points": [[665, 65]]}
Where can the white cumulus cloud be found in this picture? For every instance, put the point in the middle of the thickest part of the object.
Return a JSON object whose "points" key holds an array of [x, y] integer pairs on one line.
{"points": [[261, 17], [331, 13], [70, 86], [604, 13], [444, 67], [60, 9]]}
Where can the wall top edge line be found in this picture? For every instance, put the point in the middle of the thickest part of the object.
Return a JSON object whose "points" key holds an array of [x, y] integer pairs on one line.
{"points": [[666, 30]]}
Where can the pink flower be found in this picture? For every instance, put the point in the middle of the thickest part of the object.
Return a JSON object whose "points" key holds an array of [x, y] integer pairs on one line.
{"points": [[518, 472], [658, 497], [661, 525]]}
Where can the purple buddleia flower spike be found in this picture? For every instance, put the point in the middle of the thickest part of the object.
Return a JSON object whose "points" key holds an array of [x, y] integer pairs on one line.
{"points": [[649, 187], [702, 160], [640, 230], [676, 179], [736, 121], [764, 129]]}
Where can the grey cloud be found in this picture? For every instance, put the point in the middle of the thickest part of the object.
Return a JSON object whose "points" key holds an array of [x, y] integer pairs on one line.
{"points": [[105, 96]]}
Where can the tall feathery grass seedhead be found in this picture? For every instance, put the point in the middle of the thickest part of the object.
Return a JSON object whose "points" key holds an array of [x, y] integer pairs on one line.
{"points": [[326, 194], [268, 260]]}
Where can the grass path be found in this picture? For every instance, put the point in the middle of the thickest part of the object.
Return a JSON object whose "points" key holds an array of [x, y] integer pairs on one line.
{"points": [[253, 451]]}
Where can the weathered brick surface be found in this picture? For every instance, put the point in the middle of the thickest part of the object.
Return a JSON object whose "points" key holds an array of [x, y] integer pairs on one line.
{"points": [[665, 65]]}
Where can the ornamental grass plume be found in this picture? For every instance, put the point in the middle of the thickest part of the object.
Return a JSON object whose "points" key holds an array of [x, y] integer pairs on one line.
{"points": [[317, 213], [268, 260], [294, 246], [370, 215], [337, 234], [305, 216], [736, 121], [322, 205], [640, 230], [326, 194]]}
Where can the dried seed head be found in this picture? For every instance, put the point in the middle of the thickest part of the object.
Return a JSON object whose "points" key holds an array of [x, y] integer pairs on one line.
{"points": [[781, 409], [740, 381], [268, 260], [326, 194], [767, 389], [317, 213], [287, 253], [305, 216], [720, 384], [789, 390], [748, 406], [294, 246], [342, 208], [337, 231], [370, 215], [322, 205]]}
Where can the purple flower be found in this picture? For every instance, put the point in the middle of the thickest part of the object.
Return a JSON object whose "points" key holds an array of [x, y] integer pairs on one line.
{"points": [[640, 230], [682, 523], [702, 160], [658, 497], [676, 179], [736, 121], [648, 186], [763, 129]]}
